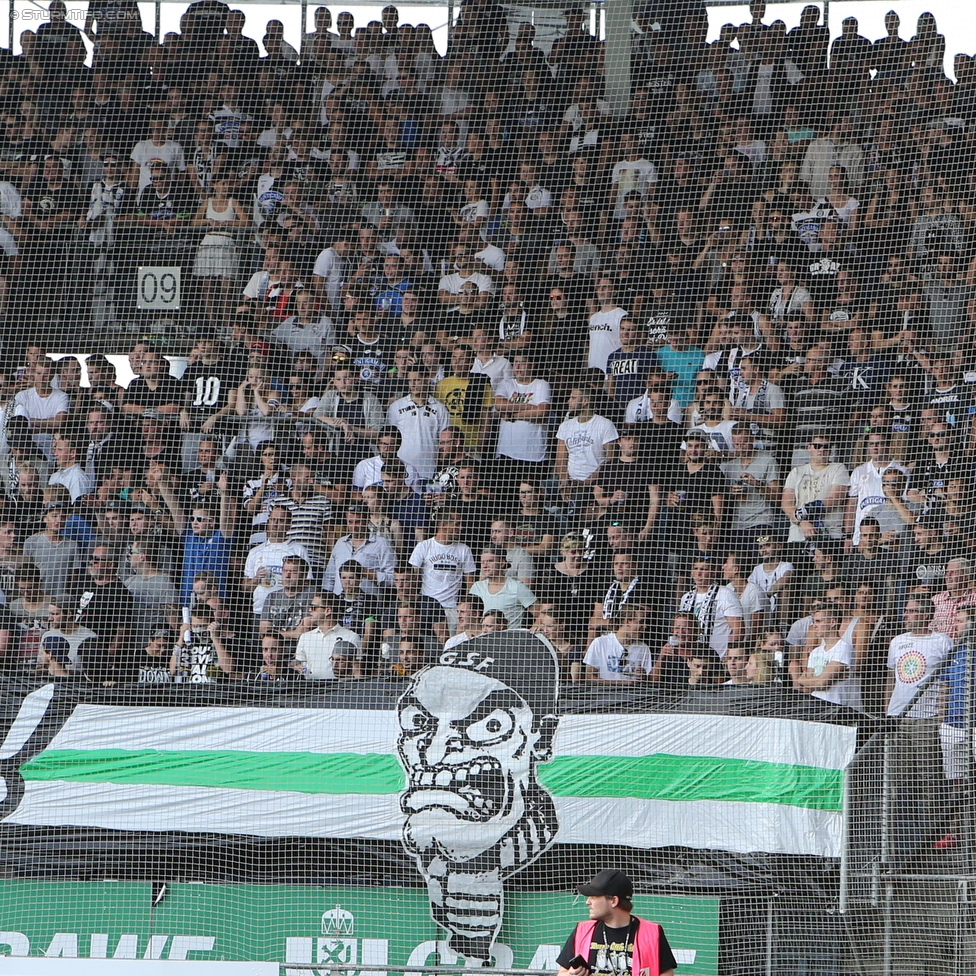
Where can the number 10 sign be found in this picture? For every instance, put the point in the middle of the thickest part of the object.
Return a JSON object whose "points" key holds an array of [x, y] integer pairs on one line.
{"points": [[159, 288]]}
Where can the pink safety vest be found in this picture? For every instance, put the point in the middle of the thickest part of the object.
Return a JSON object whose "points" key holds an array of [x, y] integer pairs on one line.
{"points": [[644, 961]]}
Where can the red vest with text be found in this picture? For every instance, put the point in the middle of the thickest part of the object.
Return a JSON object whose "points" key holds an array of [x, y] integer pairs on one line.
{"points": [[644, 961]]}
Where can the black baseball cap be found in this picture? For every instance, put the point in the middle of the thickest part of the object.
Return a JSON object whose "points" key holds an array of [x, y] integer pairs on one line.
{"points": [[608, 884]]}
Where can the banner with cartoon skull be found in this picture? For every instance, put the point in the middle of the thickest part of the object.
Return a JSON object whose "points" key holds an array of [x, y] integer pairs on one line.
{"points": [[474, 727]]}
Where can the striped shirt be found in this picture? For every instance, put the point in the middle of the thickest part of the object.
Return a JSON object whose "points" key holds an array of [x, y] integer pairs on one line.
{"points": [[308, 522]]}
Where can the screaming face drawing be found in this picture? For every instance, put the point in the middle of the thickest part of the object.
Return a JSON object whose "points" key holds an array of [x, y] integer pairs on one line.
{"points": [[472, 729]]}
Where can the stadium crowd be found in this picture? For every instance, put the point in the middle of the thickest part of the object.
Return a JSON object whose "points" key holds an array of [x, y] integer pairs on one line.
{"points": [[688, 391]]}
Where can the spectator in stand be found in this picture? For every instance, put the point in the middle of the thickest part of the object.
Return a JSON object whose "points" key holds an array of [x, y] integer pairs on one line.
{"points": [[206, 536], [582, 442], [371, 551], [313, 654], [716, 608], [106, 608], [56, 558], [829, 671], [420, 419], [264, 565], [916, 762], [621, 655], [446, 568], [959, 594], [498, 591]]}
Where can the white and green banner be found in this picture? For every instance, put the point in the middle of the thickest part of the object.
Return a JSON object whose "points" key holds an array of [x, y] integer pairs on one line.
{"points": [[719, 782]]}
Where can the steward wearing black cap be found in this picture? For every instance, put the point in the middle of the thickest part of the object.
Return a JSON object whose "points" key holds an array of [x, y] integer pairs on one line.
{"points": [[614, 942]]}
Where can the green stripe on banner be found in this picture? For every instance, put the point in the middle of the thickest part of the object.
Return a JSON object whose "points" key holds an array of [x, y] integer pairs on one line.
{"points": [[284, 772], [658, 777], [678, 778]]}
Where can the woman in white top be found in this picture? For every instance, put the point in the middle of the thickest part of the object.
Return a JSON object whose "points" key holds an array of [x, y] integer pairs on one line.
{"points": [[829, 670], [497, 591], [216, 258]]}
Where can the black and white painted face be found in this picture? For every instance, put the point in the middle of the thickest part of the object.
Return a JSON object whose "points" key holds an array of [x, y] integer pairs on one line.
{"points": [[472, 729], [466, 741]]}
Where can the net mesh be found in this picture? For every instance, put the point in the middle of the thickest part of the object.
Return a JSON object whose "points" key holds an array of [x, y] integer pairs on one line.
{"points": [[432, 480]]}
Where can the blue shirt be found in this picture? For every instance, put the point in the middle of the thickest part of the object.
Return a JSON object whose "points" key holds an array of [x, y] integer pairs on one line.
{"points": [[204, 555], [79, 530], [954, 677], [391, 300], [629, 371], [411, 512]]}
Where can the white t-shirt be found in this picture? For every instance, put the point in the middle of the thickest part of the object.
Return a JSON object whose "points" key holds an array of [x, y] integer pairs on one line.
{"points": [[74, 479], [522, 439], [604, 336], [766, 579], [616, 662], [471, 212], [810, 485], [639, 411], [497, 369], [719, 436], [846, 691], [753, 599], [492, 257], [369, 472], [270, 556], [443, 568], [726, 605], [258, 286], [631, 175], [538, 198], [913, 657], [419, 426], [513, 599], [585, 444], [453, 283], [11, 205], [30, 404], [866, 488], [169, 152], [330, 266]]}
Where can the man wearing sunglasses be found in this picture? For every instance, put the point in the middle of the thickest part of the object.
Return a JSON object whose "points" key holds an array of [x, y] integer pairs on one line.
{"points": [[107, 609], [815, 495], [206, 535]]}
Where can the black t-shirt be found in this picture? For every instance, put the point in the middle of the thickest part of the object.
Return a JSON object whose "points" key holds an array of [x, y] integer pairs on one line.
{"points": [[354, 613], [661, 444], [611, 950], [630, 478], [531, 529], [697, 490], [103, 609], [48, 203], [574, 597], [206, 389], [167, 391]]}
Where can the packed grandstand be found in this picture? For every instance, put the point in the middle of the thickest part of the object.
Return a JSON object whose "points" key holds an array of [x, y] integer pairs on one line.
{"points": [[439, 348]]}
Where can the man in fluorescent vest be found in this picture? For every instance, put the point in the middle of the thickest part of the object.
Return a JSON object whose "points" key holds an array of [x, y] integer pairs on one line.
{"points": [[614, 942]]}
